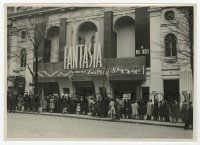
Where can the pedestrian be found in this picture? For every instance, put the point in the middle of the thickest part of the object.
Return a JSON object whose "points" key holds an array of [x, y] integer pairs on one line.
{"points": [[174, 112], [189, 119], [65, 103], [57, 104], [129, 110], [149, 109], [78, 108], [19, 102], [44, 105], [37, 103], [166, 111], [125, 109], [13, 102], [51, 103], [142, 109], [160, 111], [112, 111], [26, 102], [134, 107], [117, 108], [31, 104], [121, 103], [183, 112], [155, 110]]}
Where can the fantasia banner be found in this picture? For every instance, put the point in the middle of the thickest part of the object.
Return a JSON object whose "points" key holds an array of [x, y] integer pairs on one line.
{"points": [[83, 56]]}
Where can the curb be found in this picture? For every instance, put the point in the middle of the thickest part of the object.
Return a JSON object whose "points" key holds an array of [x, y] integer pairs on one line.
{"points": [[107, 119]]}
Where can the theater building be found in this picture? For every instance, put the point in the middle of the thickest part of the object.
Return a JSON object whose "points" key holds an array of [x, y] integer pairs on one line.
{"points": [[127, 52]]}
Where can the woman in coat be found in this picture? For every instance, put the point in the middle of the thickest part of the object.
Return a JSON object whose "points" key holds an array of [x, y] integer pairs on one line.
{"points": [[44, 105], [51, 104], [149, 110], [134, 107], [112, 111]]}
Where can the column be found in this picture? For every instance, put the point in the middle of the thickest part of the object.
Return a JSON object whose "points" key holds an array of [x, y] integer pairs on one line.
{"points": [[62, 38], [156, 82], [109, 50]]}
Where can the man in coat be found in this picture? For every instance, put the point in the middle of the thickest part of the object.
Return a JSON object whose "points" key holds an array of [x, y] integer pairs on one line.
{"points": [[189, 120]]}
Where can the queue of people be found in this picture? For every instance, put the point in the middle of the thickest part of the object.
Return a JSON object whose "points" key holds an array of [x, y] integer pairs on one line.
{"points": [[116, 108]]}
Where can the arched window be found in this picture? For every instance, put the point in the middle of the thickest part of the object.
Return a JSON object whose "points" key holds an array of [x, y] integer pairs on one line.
{"points": [[170, 45], [23, 57], [169, 15]]}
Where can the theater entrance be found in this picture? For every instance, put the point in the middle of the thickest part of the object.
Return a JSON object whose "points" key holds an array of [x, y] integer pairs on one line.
{"points": [[126, 89], [50, 88], [85, 88]]}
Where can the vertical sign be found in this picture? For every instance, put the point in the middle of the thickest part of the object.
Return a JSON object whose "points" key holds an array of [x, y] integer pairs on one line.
{"points": [[142, 33]]}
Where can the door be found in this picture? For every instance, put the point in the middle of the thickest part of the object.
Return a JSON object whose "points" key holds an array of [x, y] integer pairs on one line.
{"points": [[171, 90]]}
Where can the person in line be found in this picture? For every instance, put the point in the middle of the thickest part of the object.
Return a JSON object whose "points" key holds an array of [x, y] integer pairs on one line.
{"points": [[112, 111], [174, 112], [121, 103], [134, 107], [149, 109], [189, 119], [51, 103], [160, 111], [183, 112], [155, 110], [142, 109], [19, 102], [26, 102], [125, 108], [117, 108], [129, 110], [31, 104], [78, 108], [44, 105], [166, 111]]}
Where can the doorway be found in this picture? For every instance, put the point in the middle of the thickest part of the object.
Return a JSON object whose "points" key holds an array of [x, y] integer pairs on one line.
{"points": [[171, 90], [51, 88], [85, 89]]}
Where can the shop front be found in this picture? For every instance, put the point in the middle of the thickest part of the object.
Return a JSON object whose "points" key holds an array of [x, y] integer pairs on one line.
{"points": [[118, 77]]}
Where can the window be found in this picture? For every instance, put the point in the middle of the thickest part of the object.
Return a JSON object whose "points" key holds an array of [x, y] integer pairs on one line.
{"points": [[169, 15], [23, 34], [23, 57], [170, 45]]}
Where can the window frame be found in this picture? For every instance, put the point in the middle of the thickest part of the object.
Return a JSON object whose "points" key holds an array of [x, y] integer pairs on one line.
{"points": [[23, 55], [170, 39]]}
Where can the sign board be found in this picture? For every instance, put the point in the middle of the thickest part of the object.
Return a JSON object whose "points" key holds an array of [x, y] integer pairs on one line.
{"points": [[83, 56]]}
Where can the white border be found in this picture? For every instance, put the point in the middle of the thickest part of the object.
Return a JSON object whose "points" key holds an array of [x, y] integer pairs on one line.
{"points": [[2, 76]]}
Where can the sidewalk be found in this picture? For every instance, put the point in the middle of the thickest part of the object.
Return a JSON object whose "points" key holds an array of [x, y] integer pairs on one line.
{"points": [[148, 122]]}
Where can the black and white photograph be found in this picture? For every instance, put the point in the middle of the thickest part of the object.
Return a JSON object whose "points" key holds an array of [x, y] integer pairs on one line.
{"points": [[117, 72]]}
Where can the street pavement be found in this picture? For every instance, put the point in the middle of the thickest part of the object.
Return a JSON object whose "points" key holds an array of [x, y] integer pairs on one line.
{"points": [[40, 126]]}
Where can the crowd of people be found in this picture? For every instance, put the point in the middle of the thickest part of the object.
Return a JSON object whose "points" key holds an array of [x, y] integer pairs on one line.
{"points": [[116, 108]]}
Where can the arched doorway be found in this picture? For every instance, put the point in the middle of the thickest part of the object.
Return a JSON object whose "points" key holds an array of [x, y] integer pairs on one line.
{"points": [[125, 30]]}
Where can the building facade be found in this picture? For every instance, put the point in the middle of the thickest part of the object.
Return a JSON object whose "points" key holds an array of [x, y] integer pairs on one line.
{"points": [[129, 52]]}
